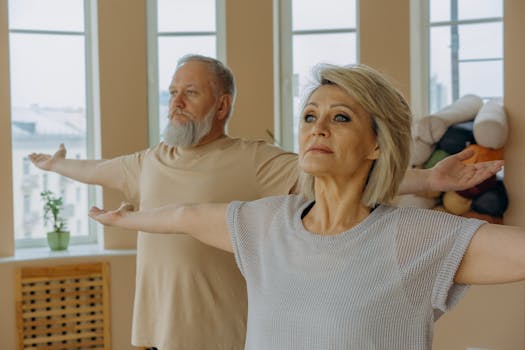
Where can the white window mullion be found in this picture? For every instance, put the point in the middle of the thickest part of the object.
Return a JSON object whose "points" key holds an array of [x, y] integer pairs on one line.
{"points": [[284, 136], [419, 64], [153, 73], [220, 30], [93, 150]]}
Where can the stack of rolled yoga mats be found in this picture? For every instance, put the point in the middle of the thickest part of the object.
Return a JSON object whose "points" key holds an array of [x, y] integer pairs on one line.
{"points": [[467, 123]]}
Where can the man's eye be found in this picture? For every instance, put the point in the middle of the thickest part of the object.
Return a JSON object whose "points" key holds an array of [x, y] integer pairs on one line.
{"points": [[190, 92], [308, 118], [341, 118]]}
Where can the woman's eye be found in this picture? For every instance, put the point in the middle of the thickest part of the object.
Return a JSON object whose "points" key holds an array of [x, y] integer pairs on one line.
{"points": [[309, 118], [341, 118]]}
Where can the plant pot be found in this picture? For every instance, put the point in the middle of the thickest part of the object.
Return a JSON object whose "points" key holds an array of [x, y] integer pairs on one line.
{"points": [[58, 240]]}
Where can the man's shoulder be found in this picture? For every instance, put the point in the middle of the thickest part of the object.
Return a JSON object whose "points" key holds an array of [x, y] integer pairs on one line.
{"points": [[236, 141], [260, 147]]}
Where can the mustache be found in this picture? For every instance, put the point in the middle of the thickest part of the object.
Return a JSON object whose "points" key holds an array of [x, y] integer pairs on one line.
{"points": [[180, 112]]}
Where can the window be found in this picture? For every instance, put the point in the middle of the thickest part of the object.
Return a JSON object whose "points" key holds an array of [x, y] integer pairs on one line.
{"points": [[311, 32], [458, 64], [50, 56], [177, 28]]}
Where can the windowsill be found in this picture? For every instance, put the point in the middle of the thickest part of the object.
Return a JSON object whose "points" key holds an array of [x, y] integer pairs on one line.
{"points": [[74, 251]]}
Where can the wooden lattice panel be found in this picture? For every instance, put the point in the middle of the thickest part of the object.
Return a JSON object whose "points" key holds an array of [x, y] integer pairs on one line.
{"points": [[63, 307]]}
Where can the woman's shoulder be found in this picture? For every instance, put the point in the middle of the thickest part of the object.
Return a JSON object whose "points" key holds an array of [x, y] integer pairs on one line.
{"points": [[259, 215], [424, 219], [290, 201]]}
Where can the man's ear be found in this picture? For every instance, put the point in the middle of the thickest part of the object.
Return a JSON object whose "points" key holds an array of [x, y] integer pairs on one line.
{"points": [[374, 154], [225, 102]]}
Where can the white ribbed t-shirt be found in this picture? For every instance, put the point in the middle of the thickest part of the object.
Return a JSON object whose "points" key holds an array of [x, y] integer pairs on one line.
{"points": [[379, 285]]}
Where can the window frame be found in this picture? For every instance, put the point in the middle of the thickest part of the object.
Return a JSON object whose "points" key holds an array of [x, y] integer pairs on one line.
{"points": [[92, 117], [420, 53], [283, 72], [153, 62]]}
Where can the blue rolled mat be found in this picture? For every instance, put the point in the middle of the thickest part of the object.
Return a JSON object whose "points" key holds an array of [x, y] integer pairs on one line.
{"points": [[492, 202], [457, 137]]}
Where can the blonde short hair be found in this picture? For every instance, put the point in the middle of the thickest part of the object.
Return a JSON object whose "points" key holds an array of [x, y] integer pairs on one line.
{"points": [[391, 120]]}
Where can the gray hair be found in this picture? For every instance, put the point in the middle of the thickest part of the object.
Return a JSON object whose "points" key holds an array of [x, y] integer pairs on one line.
{"points": [[224, 82], [391, 122]]}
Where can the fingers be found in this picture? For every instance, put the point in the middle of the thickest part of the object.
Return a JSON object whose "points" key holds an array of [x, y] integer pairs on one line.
{"points": [[95, 211], [110, 217], [125, 206], [38, 157], [491, 167], [465, 154], [497, 166], [61, 152]]}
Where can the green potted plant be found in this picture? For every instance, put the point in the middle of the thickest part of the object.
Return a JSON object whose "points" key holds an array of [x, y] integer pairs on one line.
{"points": [[58, 239]]}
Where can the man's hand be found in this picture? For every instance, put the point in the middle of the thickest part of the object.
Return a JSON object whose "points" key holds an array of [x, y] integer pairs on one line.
{"points": [[451, 174], [111, 217], [46, 161]]}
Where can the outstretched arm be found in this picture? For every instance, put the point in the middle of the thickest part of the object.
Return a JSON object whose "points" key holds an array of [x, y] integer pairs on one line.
{"points": [[496, 254], [94, 172], [205, 222], [450, 174]]}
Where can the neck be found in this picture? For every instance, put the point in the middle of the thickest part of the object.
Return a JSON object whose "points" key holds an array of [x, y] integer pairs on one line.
{"points": [[338, 205], [212, 136]]}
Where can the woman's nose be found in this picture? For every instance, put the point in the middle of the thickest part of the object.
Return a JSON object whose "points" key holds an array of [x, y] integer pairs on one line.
{"points": [[320, 127]]}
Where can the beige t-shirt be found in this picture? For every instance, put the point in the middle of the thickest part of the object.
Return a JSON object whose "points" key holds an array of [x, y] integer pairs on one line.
{"points": [[189, 295]]}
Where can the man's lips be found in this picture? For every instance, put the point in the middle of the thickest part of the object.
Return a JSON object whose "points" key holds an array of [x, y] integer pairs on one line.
{"points": [[180, 118], [319, 148]]}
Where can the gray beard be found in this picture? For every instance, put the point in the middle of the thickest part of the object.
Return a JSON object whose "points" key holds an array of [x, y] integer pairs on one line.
{"points": [[190, 133]]}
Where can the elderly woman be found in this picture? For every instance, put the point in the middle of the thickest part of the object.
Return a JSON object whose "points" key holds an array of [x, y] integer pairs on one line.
{"points": [[336, 267]]}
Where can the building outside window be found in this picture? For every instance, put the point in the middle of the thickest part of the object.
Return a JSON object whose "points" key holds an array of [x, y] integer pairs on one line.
{"points": [[177, 28], [50, 104], [465, 51]]}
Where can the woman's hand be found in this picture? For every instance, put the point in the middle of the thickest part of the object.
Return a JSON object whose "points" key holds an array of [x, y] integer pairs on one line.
{"points": [[451, 174], [205, 222], [111, 217]]}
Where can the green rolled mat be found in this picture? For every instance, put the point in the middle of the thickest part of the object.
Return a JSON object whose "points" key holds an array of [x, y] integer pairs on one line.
{"points": [[436, 156]]}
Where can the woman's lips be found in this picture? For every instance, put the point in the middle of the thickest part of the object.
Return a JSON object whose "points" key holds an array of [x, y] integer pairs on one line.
{"points": [[319, 148]]}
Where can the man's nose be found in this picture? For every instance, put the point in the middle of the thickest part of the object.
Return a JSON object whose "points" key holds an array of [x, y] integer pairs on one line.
{"points": [[177, 101]]}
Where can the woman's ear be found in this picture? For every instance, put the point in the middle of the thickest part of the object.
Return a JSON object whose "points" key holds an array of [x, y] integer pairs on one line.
{"points": [[225, 102], [374, 154]]}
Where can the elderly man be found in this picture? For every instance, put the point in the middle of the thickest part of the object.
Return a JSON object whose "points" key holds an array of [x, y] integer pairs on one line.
{"points": [[189, 295]]}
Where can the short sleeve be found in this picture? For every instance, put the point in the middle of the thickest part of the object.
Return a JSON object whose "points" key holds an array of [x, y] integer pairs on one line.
{"points": [[249, 224], [446, 293], [276, 170], [232, 219], [430, 248], [130, 167]]}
